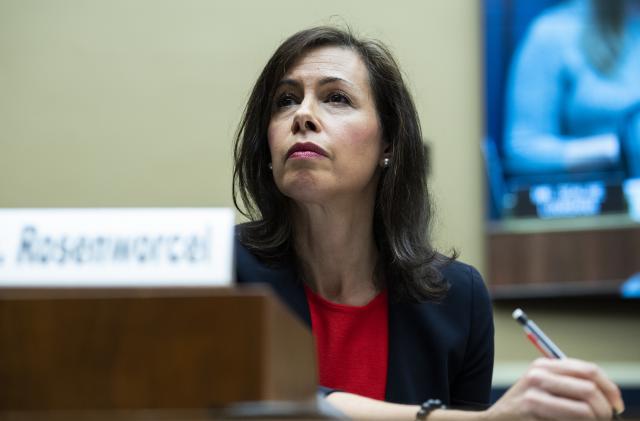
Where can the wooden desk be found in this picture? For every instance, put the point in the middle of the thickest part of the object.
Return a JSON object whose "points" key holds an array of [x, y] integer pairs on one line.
{"points": [[150, 350]]}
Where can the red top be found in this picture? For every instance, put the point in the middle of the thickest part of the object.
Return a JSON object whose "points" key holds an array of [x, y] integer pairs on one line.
{"points": [[351, 344]]}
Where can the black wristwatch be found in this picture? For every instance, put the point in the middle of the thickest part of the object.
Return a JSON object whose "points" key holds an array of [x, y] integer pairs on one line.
{"points": [[427, 407]]}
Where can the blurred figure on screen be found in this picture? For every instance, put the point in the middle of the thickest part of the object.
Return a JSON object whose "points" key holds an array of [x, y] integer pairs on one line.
{"points": [[573, 87]]}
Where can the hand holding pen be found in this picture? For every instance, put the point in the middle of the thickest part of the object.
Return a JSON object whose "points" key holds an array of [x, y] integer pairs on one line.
{"points": [[557, 387]]}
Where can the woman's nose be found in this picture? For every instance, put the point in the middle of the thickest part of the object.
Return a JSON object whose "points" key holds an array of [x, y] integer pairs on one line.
{"points": [[305, 120], [303, 126]]}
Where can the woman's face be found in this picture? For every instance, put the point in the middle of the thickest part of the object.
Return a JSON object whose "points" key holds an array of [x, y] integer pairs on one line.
{"points": [[324, 135]]}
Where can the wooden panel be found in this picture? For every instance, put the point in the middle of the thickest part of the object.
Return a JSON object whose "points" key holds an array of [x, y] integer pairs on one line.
{"points": [[609, 255], [93, 350]]}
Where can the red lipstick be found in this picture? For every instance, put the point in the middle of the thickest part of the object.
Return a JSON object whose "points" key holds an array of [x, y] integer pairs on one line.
{"points": [[306, 150]]}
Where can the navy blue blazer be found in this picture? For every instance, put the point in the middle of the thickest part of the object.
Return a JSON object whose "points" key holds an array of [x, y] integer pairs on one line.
{"points": [[442, 351]]}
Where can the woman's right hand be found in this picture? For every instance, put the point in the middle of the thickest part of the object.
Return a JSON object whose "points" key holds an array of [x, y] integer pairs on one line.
{"points": [[559, 389]]}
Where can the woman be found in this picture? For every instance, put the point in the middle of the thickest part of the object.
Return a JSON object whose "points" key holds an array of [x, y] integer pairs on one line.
{"points": [[331, 169], [574, 81]]}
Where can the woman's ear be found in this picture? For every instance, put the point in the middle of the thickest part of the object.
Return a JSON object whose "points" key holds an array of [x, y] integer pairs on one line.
{"points": [[387, 154]]}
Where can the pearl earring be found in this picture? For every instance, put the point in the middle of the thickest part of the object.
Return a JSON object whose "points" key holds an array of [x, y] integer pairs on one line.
{"points": [[270, 166], [386, 162]]}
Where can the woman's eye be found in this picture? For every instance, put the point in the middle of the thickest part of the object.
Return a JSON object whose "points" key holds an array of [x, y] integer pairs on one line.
{"points": [[285, 100], [338, 97]]}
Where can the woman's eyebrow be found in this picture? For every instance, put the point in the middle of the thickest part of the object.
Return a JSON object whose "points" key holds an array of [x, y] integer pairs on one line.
{"points": [[332, 79], [289, 82], [324, 81]]}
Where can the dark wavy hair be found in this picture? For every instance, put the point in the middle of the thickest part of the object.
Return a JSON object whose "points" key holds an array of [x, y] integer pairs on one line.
{"points": [[408, 265]]}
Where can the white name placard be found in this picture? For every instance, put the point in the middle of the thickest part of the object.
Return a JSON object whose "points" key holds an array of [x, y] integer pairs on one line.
{"points": [[116, 247]]}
